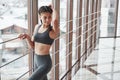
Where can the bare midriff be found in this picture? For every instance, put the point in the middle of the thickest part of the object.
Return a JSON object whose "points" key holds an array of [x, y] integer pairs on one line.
{"points": [[42, 49]]}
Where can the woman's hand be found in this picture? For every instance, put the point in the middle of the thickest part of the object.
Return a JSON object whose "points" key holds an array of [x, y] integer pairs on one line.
{"points": [[28, 38], [51, 6], [23, 36]]}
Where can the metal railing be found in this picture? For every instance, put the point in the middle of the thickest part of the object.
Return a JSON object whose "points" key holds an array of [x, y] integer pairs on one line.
{"points": [[24, 54]]}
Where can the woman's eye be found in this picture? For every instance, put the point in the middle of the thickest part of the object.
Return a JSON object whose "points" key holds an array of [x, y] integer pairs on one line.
{"points": [[45, 17]]}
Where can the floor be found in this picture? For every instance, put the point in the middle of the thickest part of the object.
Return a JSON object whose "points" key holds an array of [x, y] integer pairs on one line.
{"points": [[103, 63]]}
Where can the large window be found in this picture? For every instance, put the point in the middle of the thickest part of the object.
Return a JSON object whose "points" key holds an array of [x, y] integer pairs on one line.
{"points": [[70, 49], [13, 52]]}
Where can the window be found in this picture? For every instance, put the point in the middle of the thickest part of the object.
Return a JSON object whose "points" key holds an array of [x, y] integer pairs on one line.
{"points": [[13, 53]]}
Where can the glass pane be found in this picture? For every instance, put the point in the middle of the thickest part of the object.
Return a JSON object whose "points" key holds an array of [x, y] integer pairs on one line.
{"points": [[118, 25], [75, 29], [74, 55], [63, 56], [107, 18], [13, 21], [44, 3], [83, 28]]}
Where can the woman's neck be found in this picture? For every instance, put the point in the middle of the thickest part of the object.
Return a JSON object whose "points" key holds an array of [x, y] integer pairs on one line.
{"points": [[45, 26]]}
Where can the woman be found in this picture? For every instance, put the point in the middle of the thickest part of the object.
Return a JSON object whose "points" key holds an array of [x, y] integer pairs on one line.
{"points": [[42, 40]]}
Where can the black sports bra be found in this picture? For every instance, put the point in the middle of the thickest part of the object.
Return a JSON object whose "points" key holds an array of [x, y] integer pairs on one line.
{"points": [[43, 37]]}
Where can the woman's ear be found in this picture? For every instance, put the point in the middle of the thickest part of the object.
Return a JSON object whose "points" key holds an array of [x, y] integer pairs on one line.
{"points": [[40, 17]]}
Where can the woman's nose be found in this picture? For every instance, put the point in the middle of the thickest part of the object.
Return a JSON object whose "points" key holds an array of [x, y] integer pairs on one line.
{"points": [[47, 19]]}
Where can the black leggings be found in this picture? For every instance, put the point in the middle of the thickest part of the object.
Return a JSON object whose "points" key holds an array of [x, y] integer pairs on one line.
{"points": [[42, 66]]}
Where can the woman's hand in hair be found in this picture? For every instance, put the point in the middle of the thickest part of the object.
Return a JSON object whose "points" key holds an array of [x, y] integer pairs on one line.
{"points": [[51, 6]]}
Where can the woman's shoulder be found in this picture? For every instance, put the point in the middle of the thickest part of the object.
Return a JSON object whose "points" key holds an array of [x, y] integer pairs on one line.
{"points": [[37, 25]]}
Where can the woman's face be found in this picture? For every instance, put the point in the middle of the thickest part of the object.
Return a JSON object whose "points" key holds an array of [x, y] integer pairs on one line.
{"points": [[46, 18]]}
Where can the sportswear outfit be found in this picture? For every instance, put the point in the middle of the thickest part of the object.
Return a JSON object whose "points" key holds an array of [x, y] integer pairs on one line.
{"points": [[42, 63]]}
